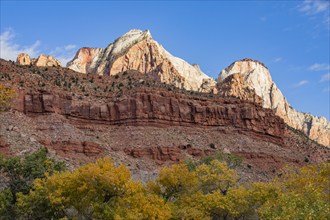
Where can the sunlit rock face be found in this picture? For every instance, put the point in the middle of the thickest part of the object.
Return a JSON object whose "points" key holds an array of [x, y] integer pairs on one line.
{"points": [[255, 76], [137, 50], [23, 59], [42, 60]]}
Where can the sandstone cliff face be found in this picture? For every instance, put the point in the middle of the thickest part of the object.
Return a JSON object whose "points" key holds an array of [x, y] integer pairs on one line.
{"points": [[42, 60], [255, 76], [160, 107], [136, 50]]}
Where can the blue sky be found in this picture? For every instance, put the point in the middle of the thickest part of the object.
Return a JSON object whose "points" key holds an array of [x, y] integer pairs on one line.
{"points": [[290, 37]]}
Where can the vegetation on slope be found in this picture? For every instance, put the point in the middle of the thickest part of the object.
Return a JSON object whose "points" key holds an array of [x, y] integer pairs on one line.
{"points": [[38, 188], [6, 94]]}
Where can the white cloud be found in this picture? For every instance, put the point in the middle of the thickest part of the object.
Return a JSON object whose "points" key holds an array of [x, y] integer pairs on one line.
{"points": [[301, 83], [325, 77], [316, 7], [9, 49], [277, 59], [319, 67], [70, 47], [65, 53], [311, 7]]}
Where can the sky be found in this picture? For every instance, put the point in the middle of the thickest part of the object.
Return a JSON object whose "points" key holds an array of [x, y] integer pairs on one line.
{"points": [[290, 37]]}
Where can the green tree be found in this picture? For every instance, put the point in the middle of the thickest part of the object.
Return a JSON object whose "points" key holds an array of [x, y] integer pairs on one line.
{"points": [[21, 172]]}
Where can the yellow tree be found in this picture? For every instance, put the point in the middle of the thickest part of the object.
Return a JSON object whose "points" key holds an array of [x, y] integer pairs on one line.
{"points": [[204, 193], [216, 176], [174, 181], [100, 190], [302, 194], [6, 94]]}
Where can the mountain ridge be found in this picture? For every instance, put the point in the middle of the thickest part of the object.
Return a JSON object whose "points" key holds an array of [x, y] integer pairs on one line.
{"points": [[142, 123], [137, 50]]}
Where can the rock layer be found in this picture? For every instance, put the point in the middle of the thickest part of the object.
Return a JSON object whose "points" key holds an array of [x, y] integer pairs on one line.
{"points": [[136, 50], [247, 75], [42, 60], [160, 107]]}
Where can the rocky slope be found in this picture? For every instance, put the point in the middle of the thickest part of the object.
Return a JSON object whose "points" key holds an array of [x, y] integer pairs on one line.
{"points": [[254, 76], [142, 123], [137, 50], [42, 60]]}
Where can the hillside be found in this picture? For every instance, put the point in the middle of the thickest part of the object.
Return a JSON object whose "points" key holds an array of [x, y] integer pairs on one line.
{"points": [[142, 123]]}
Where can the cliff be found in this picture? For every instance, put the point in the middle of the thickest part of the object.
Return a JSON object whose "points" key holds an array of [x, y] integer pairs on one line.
{"points": [[254, 76]]}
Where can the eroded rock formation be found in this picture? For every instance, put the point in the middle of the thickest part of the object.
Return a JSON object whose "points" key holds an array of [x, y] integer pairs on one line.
{"points": [[23, 59], [42, 60], [247, 75]]}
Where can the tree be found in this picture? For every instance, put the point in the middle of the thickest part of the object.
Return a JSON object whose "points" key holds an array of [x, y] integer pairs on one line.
{"points": [[216, 176], [300, 194], [99, 190], [205, 192], [6, 94], [21, 172], [174, 181], [6, 198], [103, 190]]}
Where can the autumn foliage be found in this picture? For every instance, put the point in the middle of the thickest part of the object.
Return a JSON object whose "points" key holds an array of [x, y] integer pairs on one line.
{"points": [[210, 190], [6, 94]]}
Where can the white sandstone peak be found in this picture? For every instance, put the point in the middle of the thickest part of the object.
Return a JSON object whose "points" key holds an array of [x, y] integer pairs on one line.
{"points": [[136, 50], [256, 76], [129, 39]]}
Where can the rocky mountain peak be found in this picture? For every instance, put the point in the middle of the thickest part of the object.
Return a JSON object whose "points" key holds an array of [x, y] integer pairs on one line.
{"points": [[136, 50], [127, 40], [42, 60], [255, 76]]}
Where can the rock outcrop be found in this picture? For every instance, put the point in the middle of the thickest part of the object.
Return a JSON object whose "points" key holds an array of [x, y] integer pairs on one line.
{"points": [[158, 106], [136, 50], [23, 59], [247, 75], [42, 60]]}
